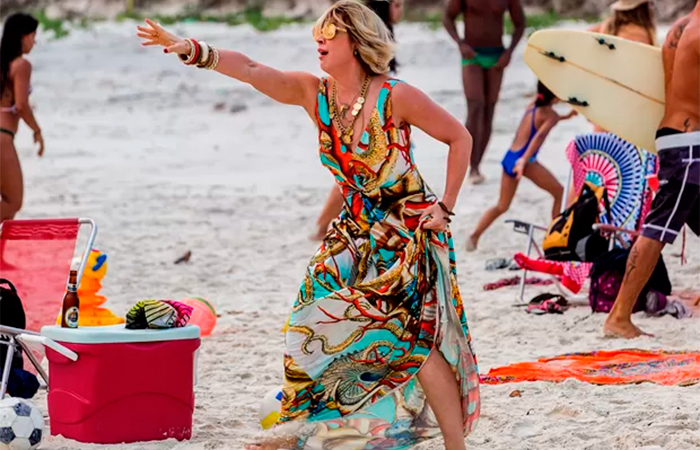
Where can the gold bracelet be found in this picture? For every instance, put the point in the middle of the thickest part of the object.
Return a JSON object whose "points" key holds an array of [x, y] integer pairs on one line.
{"points": [[204, 54], [214, 59]]}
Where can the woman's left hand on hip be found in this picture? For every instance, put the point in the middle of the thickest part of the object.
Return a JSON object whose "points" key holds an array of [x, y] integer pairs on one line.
{"points": [[434, 218]]}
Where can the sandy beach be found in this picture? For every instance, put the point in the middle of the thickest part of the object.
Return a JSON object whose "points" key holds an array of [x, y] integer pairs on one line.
{"points": [[168, 159]]}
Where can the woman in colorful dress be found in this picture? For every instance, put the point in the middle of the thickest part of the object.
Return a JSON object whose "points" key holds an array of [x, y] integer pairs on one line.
{"points": [[378, 352], [390, 11]]}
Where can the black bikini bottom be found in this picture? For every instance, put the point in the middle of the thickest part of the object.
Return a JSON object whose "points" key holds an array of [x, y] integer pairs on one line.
{"points": [[6, 131]]}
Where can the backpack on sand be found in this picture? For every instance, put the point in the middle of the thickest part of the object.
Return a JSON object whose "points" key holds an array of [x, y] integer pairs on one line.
{"points": [[570, 236]]}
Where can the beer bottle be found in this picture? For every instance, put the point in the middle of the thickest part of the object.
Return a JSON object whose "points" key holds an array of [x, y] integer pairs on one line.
{"points": [[70, 310]]}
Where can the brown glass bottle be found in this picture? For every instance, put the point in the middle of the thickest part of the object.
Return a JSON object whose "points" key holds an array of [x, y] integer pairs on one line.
{"points": [[70, 310]]}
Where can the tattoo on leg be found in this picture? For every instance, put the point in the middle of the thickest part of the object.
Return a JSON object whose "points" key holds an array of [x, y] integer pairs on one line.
{"points": [[631, 264]]}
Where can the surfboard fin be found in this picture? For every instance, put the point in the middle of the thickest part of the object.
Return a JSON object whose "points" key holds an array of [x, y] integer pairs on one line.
{"points": [[577, 102], [602, 41], [554, 56]]}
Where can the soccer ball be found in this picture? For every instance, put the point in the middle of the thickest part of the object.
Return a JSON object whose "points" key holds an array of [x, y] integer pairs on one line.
{"points": [[270, 407], [21, 425]]}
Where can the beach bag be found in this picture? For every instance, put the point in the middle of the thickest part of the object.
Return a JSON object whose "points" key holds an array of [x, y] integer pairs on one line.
{"points": [[607, 274], [570, 236], [11, 315], [20, 382]]}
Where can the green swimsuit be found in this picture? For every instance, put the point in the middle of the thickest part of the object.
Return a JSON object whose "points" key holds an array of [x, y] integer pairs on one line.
{"points": [[486, 57]]}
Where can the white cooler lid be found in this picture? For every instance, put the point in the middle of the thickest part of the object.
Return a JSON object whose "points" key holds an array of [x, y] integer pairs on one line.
{"points": [[117, 334]]}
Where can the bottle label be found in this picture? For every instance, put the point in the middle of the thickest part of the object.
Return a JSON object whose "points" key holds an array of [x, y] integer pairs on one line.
{"points": [[72, 288], [72, 317]]}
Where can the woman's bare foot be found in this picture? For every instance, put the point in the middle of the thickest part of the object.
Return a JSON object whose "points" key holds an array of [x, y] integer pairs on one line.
{"points": [[622, 329], [471, 243], [273, 444]]}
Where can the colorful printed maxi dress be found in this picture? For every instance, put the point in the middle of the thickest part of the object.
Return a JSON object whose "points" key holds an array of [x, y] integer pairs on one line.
{"points": [[378, 296]]}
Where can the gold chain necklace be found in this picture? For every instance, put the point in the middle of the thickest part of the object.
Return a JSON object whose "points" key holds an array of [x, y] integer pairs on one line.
{"points": [[346, 133]]}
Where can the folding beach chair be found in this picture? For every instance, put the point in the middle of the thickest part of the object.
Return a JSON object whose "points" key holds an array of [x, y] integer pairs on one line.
{"points": [[624, 170], [36, 256]]}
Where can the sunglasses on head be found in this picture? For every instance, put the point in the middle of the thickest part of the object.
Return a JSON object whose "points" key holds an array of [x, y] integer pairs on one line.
{"points": [[328, 31]]}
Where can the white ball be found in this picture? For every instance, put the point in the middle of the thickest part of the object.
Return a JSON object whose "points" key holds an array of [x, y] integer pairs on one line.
{"points": [[270, 408], [21, 424]]}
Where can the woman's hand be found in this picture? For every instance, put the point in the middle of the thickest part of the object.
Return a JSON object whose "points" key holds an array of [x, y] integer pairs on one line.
{"points": [[39, 139], [154, 34], [519, 168], [434, 218], [572, 113]]}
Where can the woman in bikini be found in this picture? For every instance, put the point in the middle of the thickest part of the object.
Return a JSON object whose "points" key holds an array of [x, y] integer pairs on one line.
{"points": [[377, 347], [390, 11], [18, 36], [521, 159]]}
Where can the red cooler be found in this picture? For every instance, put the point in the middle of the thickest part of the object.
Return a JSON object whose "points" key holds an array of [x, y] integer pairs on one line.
{"points": [[126, 385]]}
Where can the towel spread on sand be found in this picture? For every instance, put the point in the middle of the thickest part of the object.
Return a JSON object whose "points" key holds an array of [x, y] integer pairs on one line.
{"points": [[606, 367]]}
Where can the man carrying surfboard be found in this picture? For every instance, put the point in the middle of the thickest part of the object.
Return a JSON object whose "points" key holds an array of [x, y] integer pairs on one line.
{"points": [[677, 201], [483, 61]]}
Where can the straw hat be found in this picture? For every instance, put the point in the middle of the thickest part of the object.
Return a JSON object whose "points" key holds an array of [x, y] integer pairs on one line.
{"points": [[627, 5]]}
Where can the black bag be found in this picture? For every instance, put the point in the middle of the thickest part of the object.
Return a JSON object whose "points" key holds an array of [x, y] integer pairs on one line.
{"points": [[21, 383], [570, 236], [11, 315], [606, 279]]}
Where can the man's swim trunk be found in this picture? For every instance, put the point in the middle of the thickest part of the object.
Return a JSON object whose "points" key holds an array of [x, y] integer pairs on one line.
{"points": [[677, 201], [486, 57]]}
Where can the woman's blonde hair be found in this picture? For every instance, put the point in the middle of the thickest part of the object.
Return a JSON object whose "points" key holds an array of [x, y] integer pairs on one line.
{"points": [[641, 16], [374, 46]]}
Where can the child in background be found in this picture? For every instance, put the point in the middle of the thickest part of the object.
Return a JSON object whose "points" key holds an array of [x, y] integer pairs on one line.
{"points": [[521, 159]]}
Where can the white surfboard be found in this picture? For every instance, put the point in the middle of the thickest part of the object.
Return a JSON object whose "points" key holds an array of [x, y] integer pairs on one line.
{"points": [[615, 83]]}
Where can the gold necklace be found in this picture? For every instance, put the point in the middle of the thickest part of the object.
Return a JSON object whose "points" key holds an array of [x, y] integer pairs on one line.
{"points": [[346, 133], [344, 107]]}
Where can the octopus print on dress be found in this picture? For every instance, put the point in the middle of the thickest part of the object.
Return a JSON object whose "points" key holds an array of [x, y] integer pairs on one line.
{"points": [[379, 295]]}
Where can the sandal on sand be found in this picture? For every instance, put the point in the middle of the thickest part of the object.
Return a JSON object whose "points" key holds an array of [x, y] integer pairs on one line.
{"points": [[497, 263], [548, 304]]}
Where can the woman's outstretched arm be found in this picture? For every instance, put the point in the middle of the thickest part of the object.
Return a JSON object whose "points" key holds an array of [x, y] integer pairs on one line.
{"points": [[292, 88]]}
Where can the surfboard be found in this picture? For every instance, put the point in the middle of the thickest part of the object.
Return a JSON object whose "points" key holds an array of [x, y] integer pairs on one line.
{"points": [[615, 83]]}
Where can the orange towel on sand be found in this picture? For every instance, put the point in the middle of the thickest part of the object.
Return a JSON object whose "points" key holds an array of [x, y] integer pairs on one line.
{"points": [[606, 367]]}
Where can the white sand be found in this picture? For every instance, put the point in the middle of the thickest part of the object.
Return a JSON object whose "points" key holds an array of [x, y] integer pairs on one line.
{"points": [[133, 141]]}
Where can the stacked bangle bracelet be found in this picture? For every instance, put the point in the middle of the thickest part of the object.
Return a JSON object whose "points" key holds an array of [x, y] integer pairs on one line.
{"points": [[201, 55]]}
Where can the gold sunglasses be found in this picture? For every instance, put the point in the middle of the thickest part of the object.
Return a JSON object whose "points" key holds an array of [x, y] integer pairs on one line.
{"points": [[328, 31]]}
